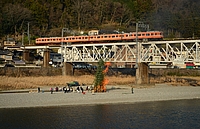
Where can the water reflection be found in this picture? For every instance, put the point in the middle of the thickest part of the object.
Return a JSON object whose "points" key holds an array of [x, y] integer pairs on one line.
{"points": [[166, 114]]}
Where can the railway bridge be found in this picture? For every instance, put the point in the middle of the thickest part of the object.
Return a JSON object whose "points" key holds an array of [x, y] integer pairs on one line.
{"points": [[141, 54], [144, 52]]}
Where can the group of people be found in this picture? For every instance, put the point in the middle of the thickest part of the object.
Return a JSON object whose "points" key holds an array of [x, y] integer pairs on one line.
{"points": [[67, 89], [79, 89]]}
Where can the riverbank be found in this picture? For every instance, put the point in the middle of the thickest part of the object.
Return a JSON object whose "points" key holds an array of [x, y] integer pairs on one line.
{"points": [[114, 94]]}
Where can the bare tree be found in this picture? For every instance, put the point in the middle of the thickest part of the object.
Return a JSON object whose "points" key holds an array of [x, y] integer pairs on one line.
{"points": [[15, 16]]}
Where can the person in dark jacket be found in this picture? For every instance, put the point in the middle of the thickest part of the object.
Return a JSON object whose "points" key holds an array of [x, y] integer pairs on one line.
{"points": [[81, 89], [51, 90]]}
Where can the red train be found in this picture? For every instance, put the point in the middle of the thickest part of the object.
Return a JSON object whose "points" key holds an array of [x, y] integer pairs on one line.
{"points": [[151, 35]]}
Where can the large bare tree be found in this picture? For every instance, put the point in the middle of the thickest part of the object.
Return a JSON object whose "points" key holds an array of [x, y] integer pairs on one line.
{"points": [[15, 16]]}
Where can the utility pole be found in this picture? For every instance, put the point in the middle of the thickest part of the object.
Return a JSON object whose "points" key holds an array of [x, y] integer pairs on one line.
{"points": [[63, 54], [137, 51], [28, 34], [23, 37]]}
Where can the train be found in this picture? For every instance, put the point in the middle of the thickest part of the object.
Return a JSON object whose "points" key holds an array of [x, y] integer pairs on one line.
{"points": [[97, 38]]}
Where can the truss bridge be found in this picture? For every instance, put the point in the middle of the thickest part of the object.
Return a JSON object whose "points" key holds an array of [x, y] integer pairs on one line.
{"points": [[148, 52]]}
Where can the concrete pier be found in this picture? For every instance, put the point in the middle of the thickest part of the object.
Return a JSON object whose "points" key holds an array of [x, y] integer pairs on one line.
{"points": [[142, 75], [46, 58]]}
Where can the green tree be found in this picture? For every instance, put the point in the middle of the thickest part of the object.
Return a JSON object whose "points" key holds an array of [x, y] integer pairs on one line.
{"points": [[99, 76]]}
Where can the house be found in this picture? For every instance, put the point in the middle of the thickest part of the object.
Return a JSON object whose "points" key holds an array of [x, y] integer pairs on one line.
{"points": [[5, 55]]}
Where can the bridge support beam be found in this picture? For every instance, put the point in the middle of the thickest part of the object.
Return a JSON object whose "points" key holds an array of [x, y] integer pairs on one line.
{"points": [[67, 69], [142, 75], [46, 58], [25, 55]]}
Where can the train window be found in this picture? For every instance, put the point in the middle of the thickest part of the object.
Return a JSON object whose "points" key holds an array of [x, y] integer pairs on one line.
{"points": [[143, 34], [113, 36], [152, 33], [105, 36], [139, 34], [79, 37], [73, 38], [98, 37], [134, 34], [156, 34], [147, 34], [91, 37]]}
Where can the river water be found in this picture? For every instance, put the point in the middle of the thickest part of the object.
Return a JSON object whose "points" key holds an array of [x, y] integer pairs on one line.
{"points": [[179, 114]]}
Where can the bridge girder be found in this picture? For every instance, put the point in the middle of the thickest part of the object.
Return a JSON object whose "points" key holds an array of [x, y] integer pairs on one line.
{"points": [[159, 51]]}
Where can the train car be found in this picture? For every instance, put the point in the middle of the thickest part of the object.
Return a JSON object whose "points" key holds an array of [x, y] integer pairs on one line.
{"points": [[151, 35]]}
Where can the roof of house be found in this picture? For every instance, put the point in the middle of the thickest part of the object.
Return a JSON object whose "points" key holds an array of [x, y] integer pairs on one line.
{"points": [[4, 52]]}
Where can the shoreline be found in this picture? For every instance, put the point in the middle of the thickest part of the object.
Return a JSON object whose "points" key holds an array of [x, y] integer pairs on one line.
{"points": [[114, 95]]}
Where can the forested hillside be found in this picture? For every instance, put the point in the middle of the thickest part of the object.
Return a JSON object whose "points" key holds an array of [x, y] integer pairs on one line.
{"points": [[176, 18]]}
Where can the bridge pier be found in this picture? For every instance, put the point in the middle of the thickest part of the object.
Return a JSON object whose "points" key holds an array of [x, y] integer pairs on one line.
{"points": [[142, 75], [67, 69], [46, 58], [25, 55]]}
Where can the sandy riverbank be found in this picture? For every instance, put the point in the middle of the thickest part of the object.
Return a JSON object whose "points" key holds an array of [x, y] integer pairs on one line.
{"points": [[114, 94]]}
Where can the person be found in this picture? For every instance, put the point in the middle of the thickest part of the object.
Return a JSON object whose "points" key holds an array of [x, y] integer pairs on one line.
{"points": [[68, 89], [132, 90], [51, 89], [78, 89], [56, 89], [86, 88], [38, 89], [81, 89], [65, 89]]}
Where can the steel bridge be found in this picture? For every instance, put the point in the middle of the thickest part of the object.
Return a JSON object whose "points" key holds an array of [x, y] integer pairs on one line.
{"points": [[148, 52]]}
